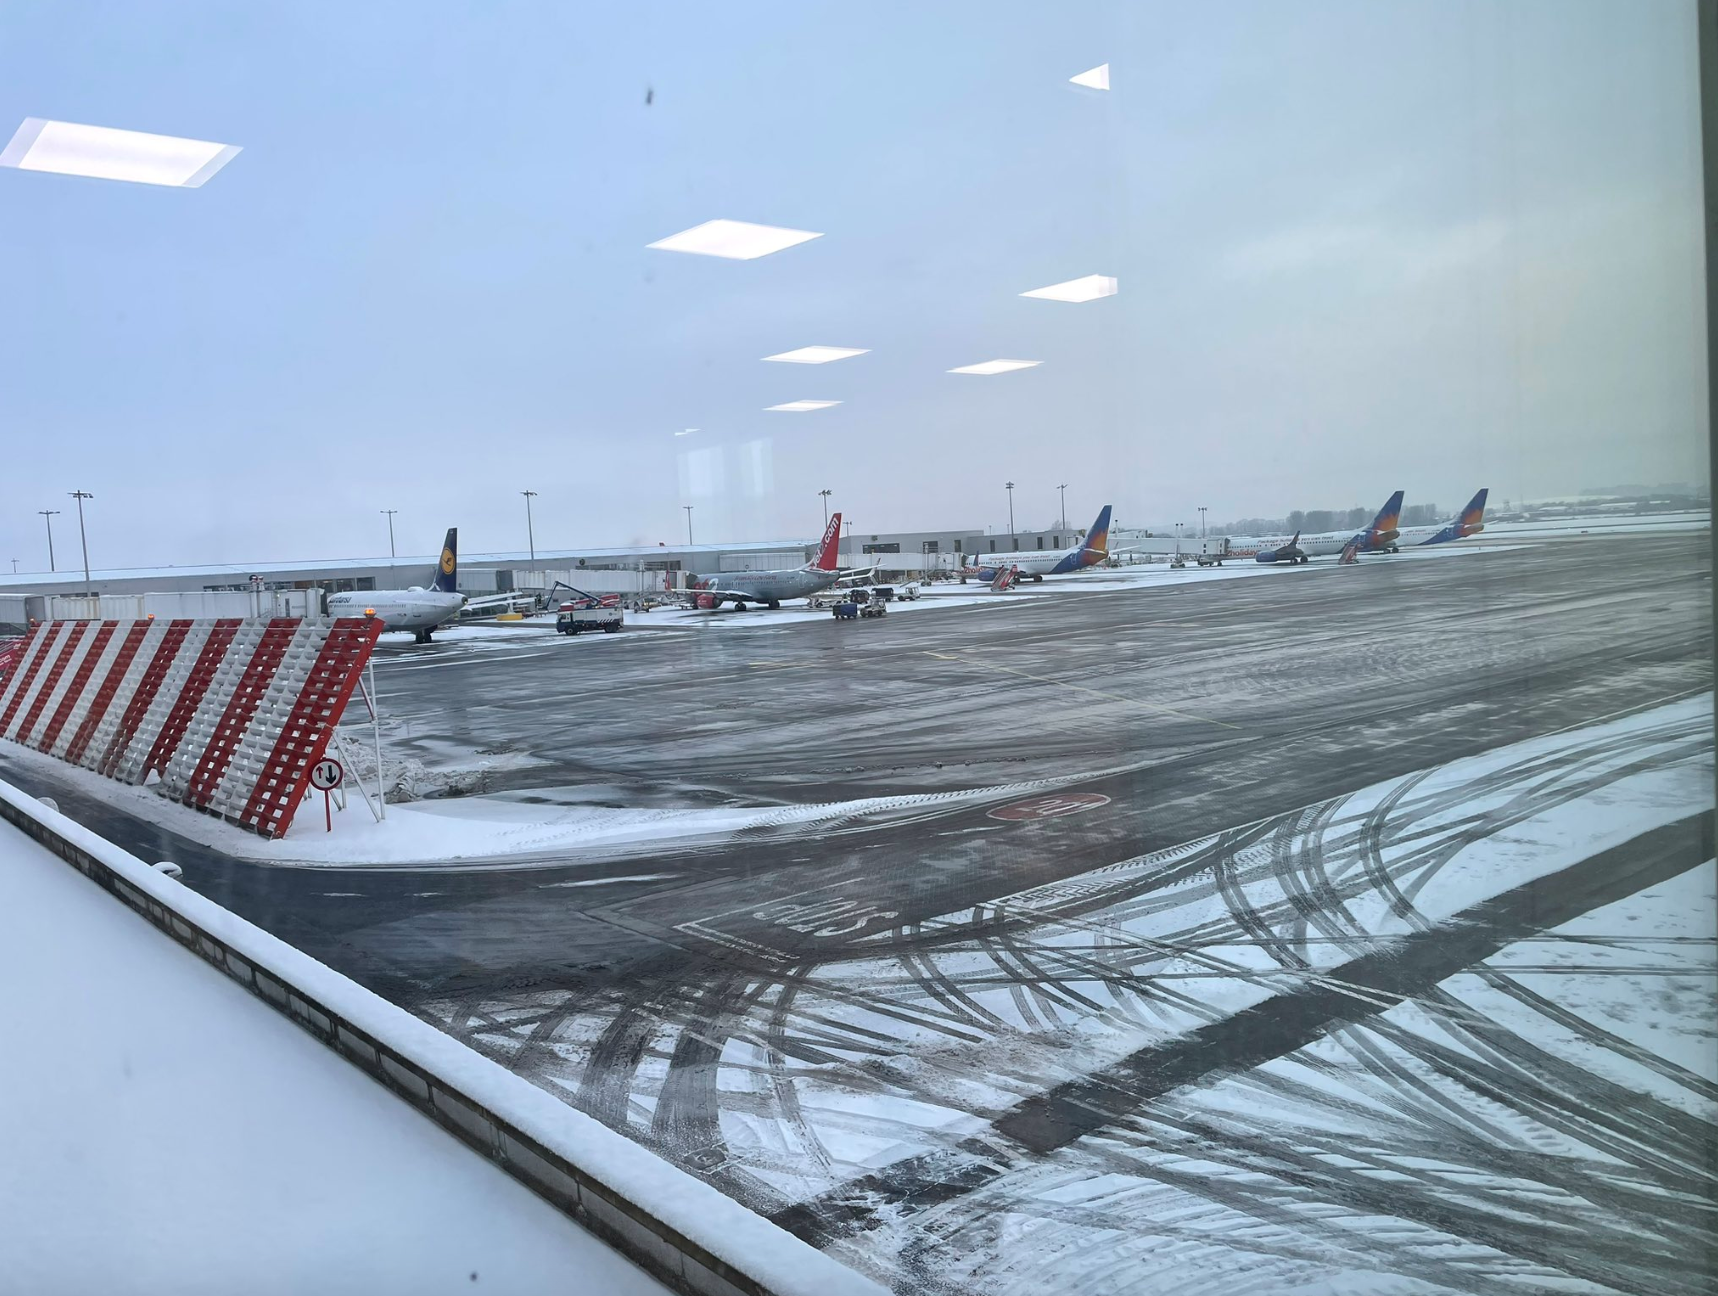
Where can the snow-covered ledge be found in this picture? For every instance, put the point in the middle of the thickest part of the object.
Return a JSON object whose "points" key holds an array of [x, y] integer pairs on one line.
{"points": [[675, 1226]]}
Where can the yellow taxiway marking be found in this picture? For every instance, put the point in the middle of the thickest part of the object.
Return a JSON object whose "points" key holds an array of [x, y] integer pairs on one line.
{"points": [[1081, 688]]}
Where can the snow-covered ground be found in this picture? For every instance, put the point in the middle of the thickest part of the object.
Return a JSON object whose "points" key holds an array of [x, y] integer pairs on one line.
{"points": [[469, 831], [1418, 1149], [164, 1131], [1652, 524]]}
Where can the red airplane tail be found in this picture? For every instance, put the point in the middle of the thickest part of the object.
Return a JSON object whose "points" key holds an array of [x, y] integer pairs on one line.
{"points": [[829, 553]]}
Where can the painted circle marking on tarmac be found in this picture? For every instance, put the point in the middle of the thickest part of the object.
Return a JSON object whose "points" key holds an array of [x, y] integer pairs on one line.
{"points": [[1052, 806]]}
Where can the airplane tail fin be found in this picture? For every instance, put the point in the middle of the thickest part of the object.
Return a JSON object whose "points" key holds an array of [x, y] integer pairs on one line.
{"points": [[447, 570], [829, 552], [1473, 516], [1098, 538], [1389, 517]]}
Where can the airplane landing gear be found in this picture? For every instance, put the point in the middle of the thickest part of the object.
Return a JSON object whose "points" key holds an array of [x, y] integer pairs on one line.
{"points": [[422, 636], [775, 605]]}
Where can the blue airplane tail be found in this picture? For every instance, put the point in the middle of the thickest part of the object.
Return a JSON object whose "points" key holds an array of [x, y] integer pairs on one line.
{"points": [[447, 570]]}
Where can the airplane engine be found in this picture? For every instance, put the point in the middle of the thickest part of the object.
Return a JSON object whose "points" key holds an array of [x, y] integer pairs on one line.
{"points": [[707, 602]]}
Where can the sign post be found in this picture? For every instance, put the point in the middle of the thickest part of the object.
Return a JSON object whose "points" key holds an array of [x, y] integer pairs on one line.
{"points": [[326, 775]]}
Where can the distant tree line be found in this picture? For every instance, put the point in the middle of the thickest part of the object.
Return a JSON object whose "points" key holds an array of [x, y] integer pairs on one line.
{"points": [[1313, 521]]}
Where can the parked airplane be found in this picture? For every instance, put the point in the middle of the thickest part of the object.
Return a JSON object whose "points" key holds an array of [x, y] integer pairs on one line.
{"points": [[1470, 521], [1039, 563], [416, 609], [1286, 553], [771, 587], [1380, 537]]}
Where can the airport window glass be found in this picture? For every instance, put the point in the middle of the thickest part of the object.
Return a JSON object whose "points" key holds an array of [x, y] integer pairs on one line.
{"points": [[1293, 871]]}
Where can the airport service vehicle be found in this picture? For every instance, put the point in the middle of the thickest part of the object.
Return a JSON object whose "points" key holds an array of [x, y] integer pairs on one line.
{"points": [[1005, 579], [908, 592], [884, 593], [862, 603], [771, 587], [1039, 563], [418, 609], [1212, 551], [589, 612]]}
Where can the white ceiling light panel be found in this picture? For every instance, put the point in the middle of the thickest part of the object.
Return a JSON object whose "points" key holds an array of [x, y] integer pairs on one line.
{"points": [[1087, 289], [996, 367], [735, 240], [105, 153], [818, 354]]}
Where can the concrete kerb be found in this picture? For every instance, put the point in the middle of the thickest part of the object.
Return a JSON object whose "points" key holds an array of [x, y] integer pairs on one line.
{"points": [[513, 1123]]}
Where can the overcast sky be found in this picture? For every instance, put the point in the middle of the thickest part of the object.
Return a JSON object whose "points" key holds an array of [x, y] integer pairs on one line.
{"points": [[1360, 246]]}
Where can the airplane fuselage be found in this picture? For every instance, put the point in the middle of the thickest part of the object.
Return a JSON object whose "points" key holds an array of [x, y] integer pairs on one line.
{"points": [[413, 610], [768, 586]]}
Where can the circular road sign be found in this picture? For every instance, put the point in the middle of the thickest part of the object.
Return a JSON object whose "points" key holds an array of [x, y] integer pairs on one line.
{"points": [[326, 774], [1052, 806]]}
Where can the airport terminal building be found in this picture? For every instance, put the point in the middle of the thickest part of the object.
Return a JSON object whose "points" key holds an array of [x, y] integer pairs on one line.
{"points": [[898, 554]]}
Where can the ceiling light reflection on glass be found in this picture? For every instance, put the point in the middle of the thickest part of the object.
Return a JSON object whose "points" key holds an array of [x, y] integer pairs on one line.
{"points": [[106, 153], [736, 240], [1087, 289], [1097, 78], [818, 354], [799, 407], [996, 367]]}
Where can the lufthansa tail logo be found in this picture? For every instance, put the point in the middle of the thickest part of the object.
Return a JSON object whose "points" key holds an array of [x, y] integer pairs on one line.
{"points": [[447, 561]]}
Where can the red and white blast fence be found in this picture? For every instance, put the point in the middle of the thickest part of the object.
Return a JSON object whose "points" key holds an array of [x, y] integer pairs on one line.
{"points": [[230, 715]]}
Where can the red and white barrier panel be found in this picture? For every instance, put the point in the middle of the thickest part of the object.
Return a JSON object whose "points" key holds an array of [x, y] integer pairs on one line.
{"points": [[230, 715]]}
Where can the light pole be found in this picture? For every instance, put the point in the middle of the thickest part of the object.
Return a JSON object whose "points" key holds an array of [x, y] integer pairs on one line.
{"points": [[48, 515], [849, 542], [1201, 521], [14, 566], [825, 495], [530, 532], [688, 508], [1064, 489], [80, 496], [390, 513], [1012, 539]]}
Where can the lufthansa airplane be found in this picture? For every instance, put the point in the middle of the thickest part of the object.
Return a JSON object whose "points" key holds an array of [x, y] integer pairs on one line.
{"points": [[417, 609], [1039, 563]]}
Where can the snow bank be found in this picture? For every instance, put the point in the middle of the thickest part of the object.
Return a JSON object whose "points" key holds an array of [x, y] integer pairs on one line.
{"points": [[751, 1245], [166, 1134]]}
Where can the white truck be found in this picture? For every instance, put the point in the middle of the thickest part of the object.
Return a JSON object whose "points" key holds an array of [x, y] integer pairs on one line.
{"points": [[1212, 550], [588, 612]]}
